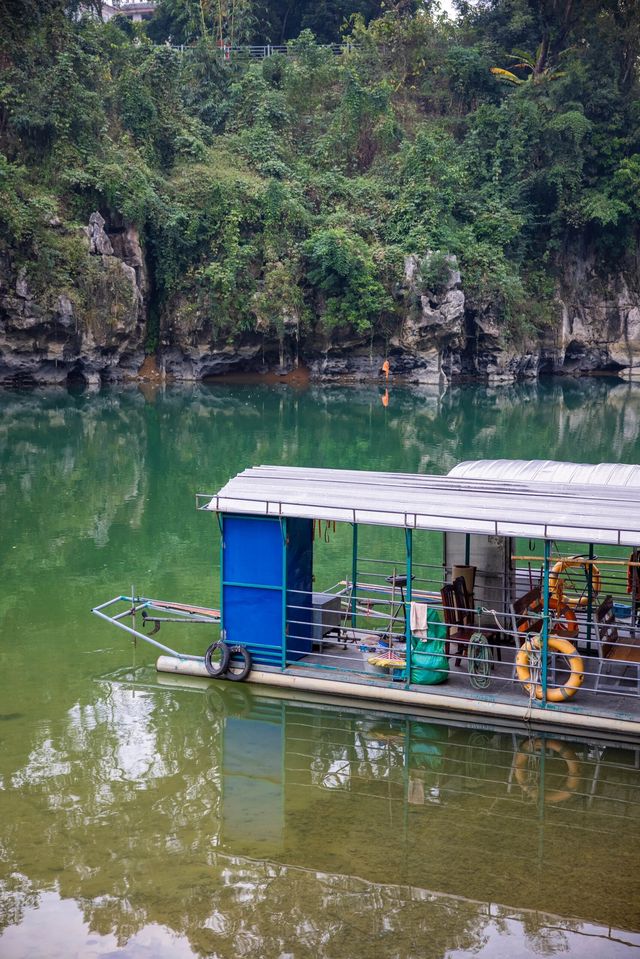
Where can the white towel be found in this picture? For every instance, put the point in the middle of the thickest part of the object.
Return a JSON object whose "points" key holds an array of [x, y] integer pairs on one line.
{"points": [[418, 620]]}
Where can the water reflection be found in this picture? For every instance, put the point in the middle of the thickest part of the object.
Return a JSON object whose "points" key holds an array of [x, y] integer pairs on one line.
{"points": [[247, 825]]}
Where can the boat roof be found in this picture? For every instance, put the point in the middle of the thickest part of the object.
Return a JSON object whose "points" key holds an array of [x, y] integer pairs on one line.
{"points": [[551, 471], [586, 513]]}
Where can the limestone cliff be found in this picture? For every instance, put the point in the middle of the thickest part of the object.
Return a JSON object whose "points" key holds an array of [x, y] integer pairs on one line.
{"points": [[92, 328], [95, 331]]}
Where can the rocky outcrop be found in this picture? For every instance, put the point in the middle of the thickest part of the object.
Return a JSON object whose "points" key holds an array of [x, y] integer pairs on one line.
{"points": [[95, 330], [600, 318], [91, 331]]}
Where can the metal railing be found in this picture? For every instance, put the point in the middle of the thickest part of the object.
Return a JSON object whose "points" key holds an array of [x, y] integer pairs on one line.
{"points": [[592, 662], [238, 52]]}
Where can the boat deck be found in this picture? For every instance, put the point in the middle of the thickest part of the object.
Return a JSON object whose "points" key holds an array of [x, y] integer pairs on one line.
{"points": [[619, 701]]}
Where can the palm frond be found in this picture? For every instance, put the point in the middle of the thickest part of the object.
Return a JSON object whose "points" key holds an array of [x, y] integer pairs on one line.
{"points": [[506, 75], [517, 54]]}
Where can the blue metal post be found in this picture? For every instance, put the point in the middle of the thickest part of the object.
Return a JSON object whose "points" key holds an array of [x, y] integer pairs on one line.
{"points": [[283, 527], [222, 575], [545, 620], [354, 575], [407, 599]]}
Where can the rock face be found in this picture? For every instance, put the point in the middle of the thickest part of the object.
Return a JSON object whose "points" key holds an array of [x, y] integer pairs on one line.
{"points": [[95, 330], [98, 240], [597, 328], [92, 332], [601, 327]]}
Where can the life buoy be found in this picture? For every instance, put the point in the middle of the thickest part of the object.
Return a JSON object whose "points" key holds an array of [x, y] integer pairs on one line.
{"points": [[565, 752], [565, 622], [578, 562], [556, 694]]}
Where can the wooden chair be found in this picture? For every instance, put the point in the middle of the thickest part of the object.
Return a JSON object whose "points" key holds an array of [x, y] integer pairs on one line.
{"points": [[610, 649], [525, 615], [460, 620]]}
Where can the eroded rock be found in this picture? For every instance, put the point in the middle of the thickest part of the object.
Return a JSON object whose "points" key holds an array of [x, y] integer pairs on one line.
{"points": [[92, 332], [99, 242]]}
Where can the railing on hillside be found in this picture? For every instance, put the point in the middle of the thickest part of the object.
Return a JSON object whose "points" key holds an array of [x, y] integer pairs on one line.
{"points": [[244, 52]]}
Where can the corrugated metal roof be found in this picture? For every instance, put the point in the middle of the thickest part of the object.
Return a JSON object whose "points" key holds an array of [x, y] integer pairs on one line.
{"points": [[551, 471], [588, 513]]}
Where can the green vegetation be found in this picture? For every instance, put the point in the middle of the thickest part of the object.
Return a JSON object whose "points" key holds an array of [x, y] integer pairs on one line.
{"points": [[289, 190]]}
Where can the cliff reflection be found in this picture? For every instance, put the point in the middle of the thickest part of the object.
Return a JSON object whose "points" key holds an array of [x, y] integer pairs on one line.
{"points": [[249, 825], [115, 472]]}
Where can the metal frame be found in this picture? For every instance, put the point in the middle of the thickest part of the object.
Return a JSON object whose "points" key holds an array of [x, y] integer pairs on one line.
{"points": [[140, 603]]}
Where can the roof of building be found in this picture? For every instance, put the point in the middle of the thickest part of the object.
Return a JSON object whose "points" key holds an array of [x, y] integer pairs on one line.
{"points": [[563, 511], [551, 471]]}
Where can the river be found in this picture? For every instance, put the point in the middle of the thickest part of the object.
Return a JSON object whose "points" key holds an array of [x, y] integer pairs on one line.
{"points": [[145, 817]]}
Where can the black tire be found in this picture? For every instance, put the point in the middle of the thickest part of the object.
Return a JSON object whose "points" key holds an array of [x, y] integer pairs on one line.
{"points": [[214, 666], [236, 671]]}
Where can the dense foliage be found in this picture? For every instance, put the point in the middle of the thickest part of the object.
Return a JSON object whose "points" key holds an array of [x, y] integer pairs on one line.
{"points": [[293, 187]]}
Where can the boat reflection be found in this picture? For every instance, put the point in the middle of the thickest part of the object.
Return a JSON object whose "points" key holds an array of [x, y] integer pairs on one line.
{"points": [[492, 816], [211, 819]]}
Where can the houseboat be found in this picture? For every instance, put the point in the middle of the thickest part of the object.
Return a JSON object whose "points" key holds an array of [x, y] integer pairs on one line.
{"points": [[506, 590]]}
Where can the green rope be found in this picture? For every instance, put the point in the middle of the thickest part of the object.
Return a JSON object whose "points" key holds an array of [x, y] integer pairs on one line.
{"points": [[479, 661]]}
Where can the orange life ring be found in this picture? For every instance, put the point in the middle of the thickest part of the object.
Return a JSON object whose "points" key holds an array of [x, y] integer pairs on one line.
{"points": [[561, 749], [557, 694], [570, 562], [565, 622]]}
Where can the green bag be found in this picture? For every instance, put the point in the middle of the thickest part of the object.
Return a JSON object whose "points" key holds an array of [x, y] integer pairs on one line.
{"points": [[429, 665]]}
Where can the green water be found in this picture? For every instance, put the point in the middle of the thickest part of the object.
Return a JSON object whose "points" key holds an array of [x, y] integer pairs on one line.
{"points": [[143, 819]]}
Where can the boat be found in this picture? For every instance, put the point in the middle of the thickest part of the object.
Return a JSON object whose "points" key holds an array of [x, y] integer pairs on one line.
{"points": [[507, 589]]}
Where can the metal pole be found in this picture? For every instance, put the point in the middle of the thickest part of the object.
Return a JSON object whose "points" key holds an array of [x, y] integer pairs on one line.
{"points": [[545, 619], [467, 548], [283, 526], [147, 639], [589, 596], [223, 632], [354, 575], [634, 591], [408, 533]]}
